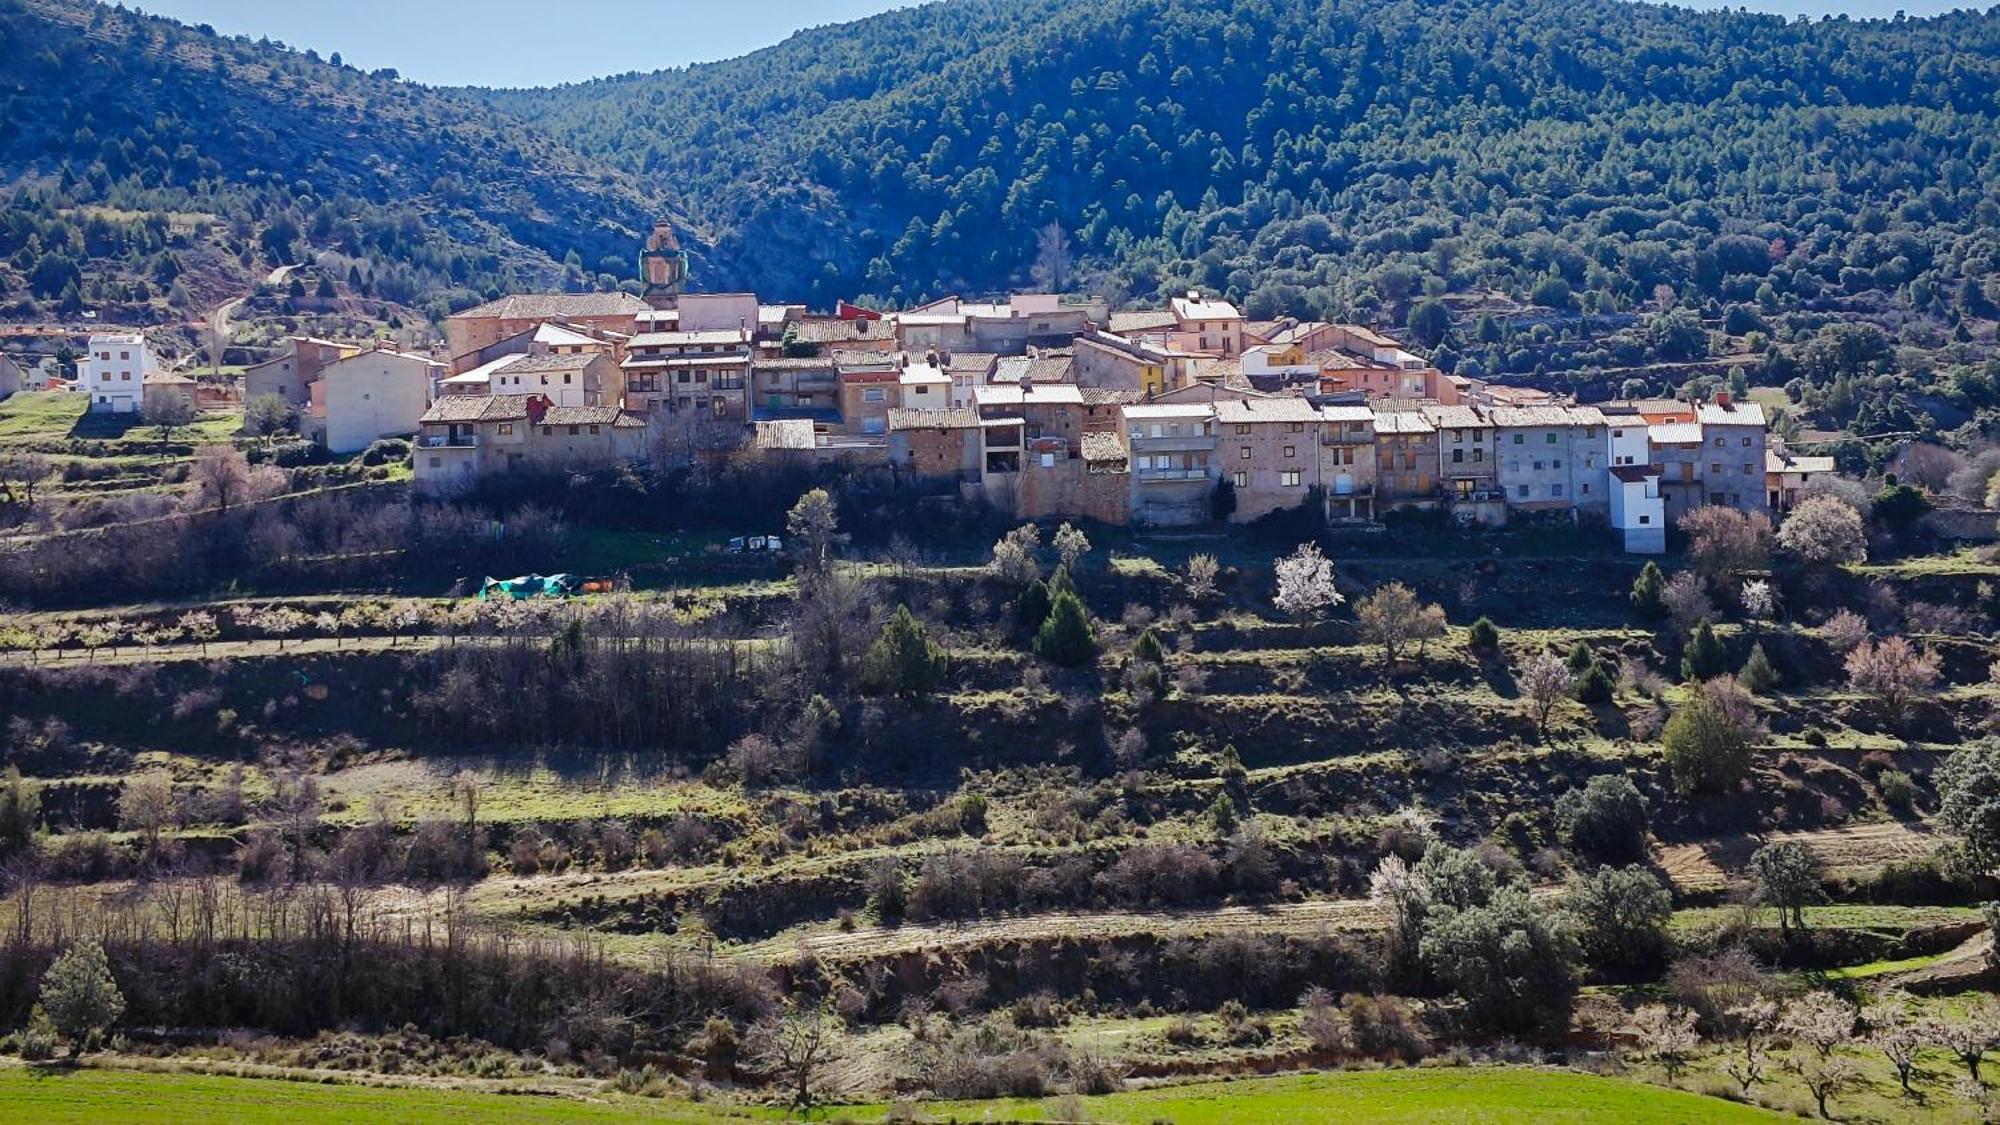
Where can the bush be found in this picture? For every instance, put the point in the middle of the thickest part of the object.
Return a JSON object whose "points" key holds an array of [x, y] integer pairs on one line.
{"points": [[1594, 686], [1483, 635], [1707, 749], [1512, 962], [1621, 916], [1383, 1027], [903, 661], [387, 451], [1604, 820], [1898, 791], [1705, 658]]}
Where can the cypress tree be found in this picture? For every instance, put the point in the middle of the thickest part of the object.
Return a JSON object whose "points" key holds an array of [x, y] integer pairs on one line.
{"points": [[1483, 635], [1758, 676], [1066, 637], [1705, 657], [1648, 592], [1148, 650], [1580, 660], [1033, 606]]}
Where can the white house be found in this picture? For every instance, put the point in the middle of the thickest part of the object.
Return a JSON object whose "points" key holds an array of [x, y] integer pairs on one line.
{"points": [[375, 394], [114, 373]]}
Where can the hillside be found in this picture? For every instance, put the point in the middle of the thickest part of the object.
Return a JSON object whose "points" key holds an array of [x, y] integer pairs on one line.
{"points": [[144, 151], [1332, 157]]}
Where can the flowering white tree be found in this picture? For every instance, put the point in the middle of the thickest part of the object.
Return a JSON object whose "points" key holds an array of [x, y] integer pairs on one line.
{"points": [[1826, 531], [1305, 583], [1545, 681], [1072, 544], [1760, 602]]}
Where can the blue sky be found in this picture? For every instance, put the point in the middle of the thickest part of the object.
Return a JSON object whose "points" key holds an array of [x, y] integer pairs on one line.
{"points": [[540, 42]]}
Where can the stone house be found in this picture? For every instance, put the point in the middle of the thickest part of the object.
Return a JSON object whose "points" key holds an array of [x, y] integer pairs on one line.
{"points": [[1734, 437], [1347, 462], [490, 323], [463, 436], [1110, 362], [704, 370], [1406, 460], [290, 374], [1553, 457], [1270, 453], [565, 378], [1171, 454]]}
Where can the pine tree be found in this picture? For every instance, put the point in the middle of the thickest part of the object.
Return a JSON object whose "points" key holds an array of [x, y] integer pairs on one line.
{"points": [[1648, 592], [1148, 650], [1066, 637], [1705, 658], [1758, 676], [1580, 659], [80, 996], [1032, 608], [1223, 814], [1594, 685], [903, 660]]}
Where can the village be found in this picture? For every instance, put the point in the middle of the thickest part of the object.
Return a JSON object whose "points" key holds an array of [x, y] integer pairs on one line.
{"points": [[1043, 405]]}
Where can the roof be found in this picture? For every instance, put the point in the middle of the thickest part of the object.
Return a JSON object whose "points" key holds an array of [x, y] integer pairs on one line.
{"points": [[1171, 410], [919, 373], [1735, 414], [1245, 411], [1193, 307], [534, 364], [701, 338], [1403, 422], [1108, 396], [589, 416], [1779, 461], [791, 433], [1456, 418], [1040, 369], [1009, 394], [709, 359], [540, 306], [1147, 320], [793, 363], [1516, 416], [1674, 433], [1347, 413], [970, 361], [556, 336], [838, 331], [962, 418], [1098, 446], [1633, 474], [163, 379], [477, 408]]}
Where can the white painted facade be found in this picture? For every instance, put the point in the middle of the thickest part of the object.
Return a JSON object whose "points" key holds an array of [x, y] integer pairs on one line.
{"points": [[114, 372]]}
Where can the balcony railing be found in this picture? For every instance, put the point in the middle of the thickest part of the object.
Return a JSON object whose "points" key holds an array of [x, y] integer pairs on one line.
{"points": [[448, 441], [1170, 474]]}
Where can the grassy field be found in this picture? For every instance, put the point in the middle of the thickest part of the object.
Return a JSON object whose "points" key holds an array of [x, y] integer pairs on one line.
{"points": [[104, 1096], [1429, 1094], [58, 416]]}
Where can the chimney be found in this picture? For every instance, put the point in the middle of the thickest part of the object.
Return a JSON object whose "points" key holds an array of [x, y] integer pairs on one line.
{"points": [[1722, 400], [538, 406]]}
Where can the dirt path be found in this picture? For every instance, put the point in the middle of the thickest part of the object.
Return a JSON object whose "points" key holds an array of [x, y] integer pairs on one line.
{"points": [[1708, 865]]}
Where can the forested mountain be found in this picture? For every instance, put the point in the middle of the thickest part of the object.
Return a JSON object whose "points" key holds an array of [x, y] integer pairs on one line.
{"points": [[146, 153], [1331, 155], [1319, 157]]}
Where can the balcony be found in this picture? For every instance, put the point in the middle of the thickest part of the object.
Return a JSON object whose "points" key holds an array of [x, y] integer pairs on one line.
{"points": [[448, 441], [1170, 474]]}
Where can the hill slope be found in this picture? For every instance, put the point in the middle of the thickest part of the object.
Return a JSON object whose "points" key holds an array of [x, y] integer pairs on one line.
{"points": [[1332, 155], [110, 116]]}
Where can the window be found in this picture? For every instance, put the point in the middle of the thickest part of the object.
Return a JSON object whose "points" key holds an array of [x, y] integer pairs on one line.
{"points": [[1555, 490], [1519, 438], [1644, 520], [1551, 439], [1241, 480], [1584, 488], [1300, 427], [593, 429], [437, 463], [1242, 428], [507, 428], [1291, 451], [1478, 454], [874, 394], [1521, 491], [548, 431], [1746, 441], [1538, 466], [1715, 467], [565, 378], [1556, 464], [1458, 456], [1246, 453], [1718, 443], [1289, 478]]}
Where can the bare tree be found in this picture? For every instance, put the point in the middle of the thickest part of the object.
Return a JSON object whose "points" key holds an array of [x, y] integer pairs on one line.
{"points": [[1971, 1033], [1899, 1037], [1845, 630], [222, 478], [26, 470], [146, 806], [1305, 583], [797, 1046], [1753, 1022], [1014, 555], [1822, 1021], [1051, 270], [169, 413], [1545, 681], [1667, 1036], [1895, 672], [1724, 543], [1392, 617], [1072, 544], [1687, 601], [1202, 571], [1825, 1078]]}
